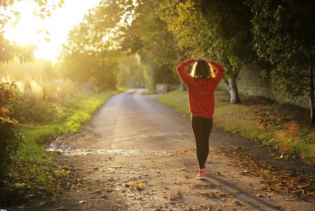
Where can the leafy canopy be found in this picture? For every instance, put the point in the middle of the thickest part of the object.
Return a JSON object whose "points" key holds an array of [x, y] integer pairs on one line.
{"points": [[284, 36]]}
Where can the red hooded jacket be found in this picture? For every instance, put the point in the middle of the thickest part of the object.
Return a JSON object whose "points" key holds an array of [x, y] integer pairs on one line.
{"points": [[200, 91]]}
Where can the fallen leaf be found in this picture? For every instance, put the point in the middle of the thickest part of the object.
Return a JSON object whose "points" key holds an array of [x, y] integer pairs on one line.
{"points": [[279, 157], [175, 196]]}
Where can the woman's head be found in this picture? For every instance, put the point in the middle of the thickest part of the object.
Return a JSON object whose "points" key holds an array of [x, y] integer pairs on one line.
{"points": [[202, 70]]}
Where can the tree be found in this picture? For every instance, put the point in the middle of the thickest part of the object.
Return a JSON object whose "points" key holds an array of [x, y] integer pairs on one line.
{"points": [[131, 72], [217, 29], [148, 36], [91, 52], [284, 36]]}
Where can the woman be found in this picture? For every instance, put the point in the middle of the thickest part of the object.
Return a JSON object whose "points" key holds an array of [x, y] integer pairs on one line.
{"points": [[201, 85]]}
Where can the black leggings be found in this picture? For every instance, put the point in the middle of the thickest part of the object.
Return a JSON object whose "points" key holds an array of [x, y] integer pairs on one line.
{"points": [[202, 129]]}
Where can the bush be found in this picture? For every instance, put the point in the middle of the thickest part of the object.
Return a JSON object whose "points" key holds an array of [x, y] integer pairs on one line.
{"points": [[40, 99], [8, 96], [37, 111], [9, 138]]}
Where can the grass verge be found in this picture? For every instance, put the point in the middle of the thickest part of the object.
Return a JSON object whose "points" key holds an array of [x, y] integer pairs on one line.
{"points": [[33, 170], [283, 127], [149, 92]]}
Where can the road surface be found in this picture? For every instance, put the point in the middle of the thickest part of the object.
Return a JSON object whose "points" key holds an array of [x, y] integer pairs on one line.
{"points": [[136, 154]]}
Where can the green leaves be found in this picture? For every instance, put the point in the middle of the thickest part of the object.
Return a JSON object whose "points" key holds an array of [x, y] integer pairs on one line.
{"points": [[9, 139], [91, 53], [209, 27], [282, 37]]}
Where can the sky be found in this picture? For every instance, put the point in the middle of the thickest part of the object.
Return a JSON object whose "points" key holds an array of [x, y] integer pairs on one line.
{"points": [[62, 20]]}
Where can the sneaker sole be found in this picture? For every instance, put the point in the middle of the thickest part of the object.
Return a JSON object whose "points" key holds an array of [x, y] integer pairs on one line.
{"points": [[201, 178]]}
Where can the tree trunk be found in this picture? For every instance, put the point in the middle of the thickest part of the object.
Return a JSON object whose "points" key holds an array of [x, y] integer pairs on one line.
{"points": [[182, 86], [311, 72], [234, 95]]}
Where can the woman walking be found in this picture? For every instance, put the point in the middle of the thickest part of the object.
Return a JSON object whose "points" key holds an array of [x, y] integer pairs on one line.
{"points": [[201, 85]]}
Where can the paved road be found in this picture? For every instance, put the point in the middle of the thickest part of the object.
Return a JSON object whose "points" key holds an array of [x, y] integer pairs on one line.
{"points": [[135, 121], [137, 154]]}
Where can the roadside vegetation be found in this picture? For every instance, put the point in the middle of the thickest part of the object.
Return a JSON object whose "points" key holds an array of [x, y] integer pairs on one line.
{"points": [[33, 111], [280, 126]]}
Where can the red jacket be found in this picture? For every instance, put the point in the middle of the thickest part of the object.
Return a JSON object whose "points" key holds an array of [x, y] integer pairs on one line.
{"points": [[200, 91]]}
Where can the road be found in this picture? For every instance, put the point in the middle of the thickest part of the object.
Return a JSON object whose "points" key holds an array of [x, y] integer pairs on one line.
{"points": [[136, 154]]}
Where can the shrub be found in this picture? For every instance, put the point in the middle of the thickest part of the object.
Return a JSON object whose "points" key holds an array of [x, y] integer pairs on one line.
{"points": [[36, 111], [9, 138]]}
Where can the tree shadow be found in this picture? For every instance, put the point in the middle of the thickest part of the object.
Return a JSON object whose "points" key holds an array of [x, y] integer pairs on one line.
{"points": [[244, 196]]}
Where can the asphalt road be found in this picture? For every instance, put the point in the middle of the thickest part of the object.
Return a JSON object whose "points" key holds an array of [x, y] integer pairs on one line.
{"points": [[135, 121], [136, 154]]}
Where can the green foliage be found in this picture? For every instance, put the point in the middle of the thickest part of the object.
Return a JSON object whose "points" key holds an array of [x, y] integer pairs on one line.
{"points": [[10, 51], [131, 72], [100, 69], [8, 95], [155, 73], [39, 97], [148, 36], [9, 139], [91, 53], [36, 111], [147, 27], [218, 29], [284, 36]]}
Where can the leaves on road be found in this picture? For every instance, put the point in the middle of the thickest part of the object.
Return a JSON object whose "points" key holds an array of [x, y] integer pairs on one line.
{"points": [[137, 186], [181, 152], [296, 183]]}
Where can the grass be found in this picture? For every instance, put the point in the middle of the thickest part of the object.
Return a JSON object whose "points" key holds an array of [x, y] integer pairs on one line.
{"points": [[82, 109], [149, 92], [283, 127], [177, 99], [33, 166]]}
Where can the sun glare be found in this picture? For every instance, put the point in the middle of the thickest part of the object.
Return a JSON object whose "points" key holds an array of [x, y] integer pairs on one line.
{"points": [[32, 29], [26, 31]]}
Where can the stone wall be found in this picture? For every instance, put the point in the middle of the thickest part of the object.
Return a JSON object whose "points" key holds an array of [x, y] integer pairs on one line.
{"points": [[250, 82]]}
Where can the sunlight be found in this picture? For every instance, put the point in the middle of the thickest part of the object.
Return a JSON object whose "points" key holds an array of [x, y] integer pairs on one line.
{"points": [[32, 29], [27, 29], [26, 32]]}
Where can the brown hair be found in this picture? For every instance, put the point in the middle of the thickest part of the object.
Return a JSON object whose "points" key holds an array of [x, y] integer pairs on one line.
{"points": [[202, 70]]}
